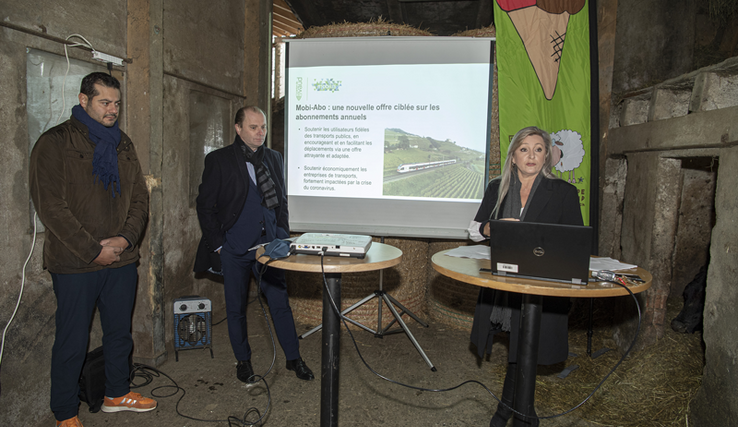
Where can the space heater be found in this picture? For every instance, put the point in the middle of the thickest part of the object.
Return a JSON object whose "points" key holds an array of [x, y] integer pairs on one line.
{"points": [[192, 324]]}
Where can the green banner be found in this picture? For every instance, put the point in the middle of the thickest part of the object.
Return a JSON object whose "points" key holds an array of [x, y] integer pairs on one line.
{"points": [[544, 80]]}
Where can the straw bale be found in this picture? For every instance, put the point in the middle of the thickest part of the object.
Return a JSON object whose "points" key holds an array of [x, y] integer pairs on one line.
{"points": [[450, 302], [404, 282], [374, 28], [478, 32]]}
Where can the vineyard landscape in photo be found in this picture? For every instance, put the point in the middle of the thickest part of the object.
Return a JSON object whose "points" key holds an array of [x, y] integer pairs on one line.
{"points": [[416, 166]]}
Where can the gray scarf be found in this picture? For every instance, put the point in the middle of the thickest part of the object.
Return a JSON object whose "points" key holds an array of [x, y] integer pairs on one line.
{"points": [[263, 178], [512, 204]]}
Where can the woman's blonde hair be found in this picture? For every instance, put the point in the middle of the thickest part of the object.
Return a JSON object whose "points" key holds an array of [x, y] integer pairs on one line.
{"points": [[509, 168]]}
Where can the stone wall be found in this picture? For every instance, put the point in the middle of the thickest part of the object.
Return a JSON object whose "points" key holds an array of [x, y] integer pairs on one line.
{"points": [[655, 41], [674, 144], [174, 50], [27, 346]]}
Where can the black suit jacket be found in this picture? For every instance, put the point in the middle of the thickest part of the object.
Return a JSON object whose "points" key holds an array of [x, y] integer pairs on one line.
{"points": [[555, 202], [222, 195]]}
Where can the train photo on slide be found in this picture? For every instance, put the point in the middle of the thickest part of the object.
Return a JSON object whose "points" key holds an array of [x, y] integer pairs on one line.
{"points": [[410, 167]]}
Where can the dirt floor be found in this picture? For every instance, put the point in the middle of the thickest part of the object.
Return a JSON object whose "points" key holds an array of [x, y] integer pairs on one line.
{"points": [[210, 394]]}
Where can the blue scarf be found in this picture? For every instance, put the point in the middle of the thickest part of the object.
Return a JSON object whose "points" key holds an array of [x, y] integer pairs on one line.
{"points": [[106, 139]]}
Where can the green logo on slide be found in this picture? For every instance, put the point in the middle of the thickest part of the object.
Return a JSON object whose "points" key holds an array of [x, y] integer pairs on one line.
{"points": [[326, 85]]}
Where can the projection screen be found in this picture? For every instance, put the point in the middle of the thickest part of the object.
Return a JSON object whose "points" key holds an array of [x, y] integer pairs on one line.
{"points": [[387, 136]]}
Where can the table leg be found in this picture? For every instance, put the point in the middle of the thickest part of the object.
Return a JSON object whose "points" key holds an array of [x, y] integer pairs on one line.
{"points": [[331, 347], [525, 382]]}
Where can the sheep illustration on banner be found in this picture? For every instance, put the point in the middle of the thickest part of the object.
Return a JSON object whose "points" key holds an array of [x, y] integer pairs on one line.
{"points": [[572, 153]]}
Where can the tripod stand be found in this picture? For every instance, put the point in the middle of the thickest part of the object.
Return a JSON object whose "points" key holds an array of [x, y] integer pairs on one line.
{"points": [[383, 297]]}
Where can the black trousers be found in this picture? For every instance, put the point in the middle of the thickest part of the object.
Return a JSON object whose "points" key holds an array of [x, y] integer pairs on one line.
{"points": [[113, 291], [236, 274]]}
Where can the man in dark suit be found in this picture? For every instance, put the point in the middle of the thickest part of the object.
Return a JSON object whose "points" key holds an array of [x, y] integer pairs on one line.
{"points": [[242, 203]]}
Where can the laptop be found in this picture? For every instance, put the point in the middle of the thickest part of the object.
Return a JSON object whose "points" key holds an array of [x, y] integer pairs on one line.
{"points": [[531, 250]]}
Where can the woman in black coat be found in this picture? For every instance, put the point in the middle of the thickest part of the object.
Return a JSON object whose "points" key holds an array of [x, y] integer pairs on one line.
{"points": [[525, 191]]}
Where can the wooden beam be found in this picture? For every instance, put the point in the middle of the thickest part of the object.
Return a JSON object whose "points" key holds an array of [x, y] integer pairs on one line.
{"points": [[278, 21]]}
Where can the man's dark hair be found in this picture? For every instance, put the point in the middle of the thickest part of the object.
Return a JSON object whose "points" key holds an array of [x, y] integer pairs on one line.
{"points": [[242, 112], [88, 83]]}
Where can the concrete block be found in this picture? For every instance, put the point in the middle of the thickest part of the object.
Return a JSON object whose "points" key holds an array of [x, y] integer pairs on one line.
{"points": [[649, 226], [635, 111], [667, 103], [667, 178], [611, 216], [713, 91], [615, 115]]}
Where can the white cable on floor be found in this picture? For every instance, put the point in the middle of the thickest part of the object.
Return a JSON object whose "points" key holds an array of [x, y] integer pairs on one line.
{"points": [[20, 294]]}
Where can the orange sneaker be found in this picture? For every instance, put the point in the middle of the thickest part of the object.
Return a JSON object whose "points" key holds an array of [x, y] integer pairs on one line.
{"points": [[69, 422], [129, 402]]}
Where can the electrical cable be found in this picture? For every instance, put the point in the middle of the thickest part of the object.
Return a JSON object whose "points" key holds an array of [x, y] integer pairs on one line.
{"points": [[20, 293], [597, 387], [148, 373], [35, 214], [356, 346], [619, 282], [66, 55]]}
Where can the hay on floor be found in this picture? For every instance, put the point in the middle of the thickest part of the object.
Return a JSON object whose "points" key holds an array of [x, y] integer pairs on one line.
{"points": [[652, 387]]}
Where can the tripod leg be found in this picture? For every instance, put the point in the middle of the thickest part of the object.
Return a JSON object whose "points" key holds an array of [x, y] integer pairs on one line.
{"points": [[364, 327], [409, 334], [405, 310], [343, 313], [379, 295]]}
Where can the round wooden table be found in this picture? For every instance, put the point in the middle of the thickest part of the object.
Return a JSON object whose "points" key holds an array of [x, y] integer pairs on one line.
{"points": [[378, 257], [469, 271]]}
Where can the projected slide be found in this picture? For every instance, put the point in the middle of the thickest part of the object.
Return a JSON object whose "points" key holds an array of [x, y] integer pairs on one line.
{"points": [[387, 136], [388, 131]]}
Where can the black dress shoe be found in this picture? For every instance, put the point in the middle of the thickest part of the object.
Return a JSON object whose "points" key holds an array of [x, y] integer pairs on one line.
{"points": [[301, 369], [245, 372]]}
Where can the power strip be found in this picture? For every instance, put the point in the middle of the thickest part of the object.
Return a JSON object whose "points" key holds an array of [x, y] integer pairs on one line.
{"points": [[104, 57]]}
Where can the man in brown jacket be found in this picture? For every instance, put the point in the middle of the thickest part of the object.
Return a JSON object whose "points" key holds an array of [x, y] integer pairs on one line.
{"points": [[89, 191]]}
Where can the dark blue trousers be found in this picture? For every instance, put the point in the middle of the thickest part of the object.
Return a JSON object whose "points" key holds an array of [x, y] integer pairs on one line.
{"points": [[113, 291], [236, 274]]}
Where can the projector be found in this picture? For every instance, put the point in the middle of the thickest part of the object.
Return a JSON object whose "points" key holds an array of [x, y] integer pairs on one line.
{"points": [[345, 245]]}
